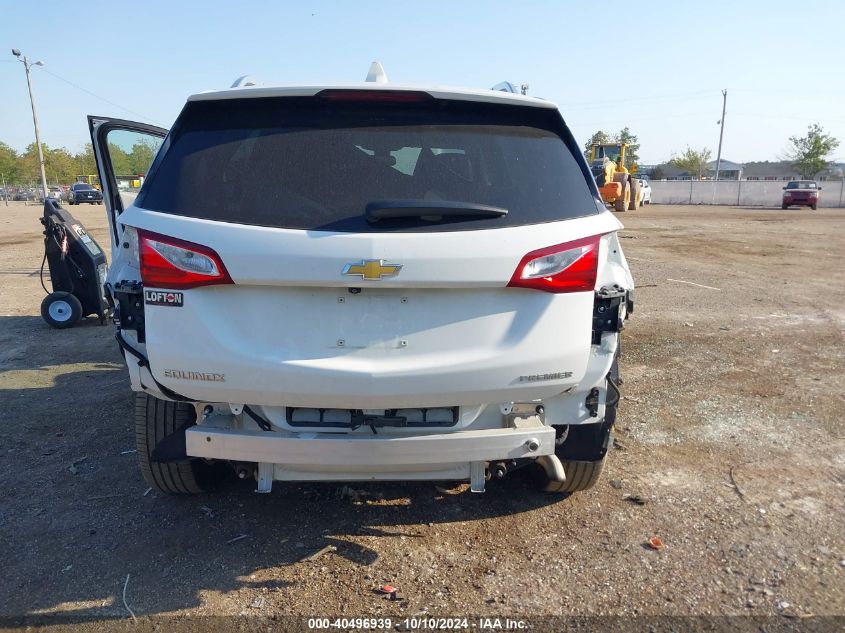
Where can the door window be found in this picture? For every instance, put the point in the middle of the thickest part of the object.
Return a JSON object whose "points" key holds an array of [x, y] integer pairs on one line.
{"points": [[130, 154]]}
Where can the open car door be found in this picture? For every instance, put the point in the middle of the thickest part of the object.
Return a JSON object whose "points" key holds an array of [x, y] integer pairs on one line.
{"points": [[124, 151]]}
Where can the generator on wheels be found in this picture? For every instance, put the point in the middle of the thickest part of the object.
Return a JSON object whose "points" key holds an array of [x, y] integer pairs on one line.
{"points": [[78, 270]]}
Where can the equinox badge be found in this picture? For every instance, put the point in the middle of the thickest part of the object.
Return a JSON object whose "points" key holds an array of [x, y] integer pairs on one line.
{"points": [[372, 269]]}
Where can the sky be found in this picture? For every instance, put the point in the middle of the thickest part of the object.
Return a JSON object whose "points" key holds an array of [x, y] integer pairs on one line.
{"points": [[661, 73]]}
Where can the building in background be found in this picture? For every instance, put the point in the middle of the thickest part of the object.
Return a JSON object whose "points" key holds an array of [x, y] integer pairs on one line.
{"points": [[729, 170], [783, 170]]}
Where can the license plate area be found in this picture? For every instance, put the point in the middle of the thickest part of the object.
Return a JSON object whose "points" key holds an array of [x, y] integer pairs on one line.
{"points": [[371, 319]]}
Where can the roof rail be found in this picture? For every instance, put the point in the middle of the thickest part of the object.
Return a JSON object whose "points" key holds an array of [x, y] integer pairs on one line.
{"points": [[376, 74], [244, 81]]}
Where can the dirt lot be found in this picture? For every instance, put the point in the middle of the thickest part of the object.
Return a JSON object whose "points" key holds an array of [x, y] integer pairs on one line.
{"points": [[730, 432]]}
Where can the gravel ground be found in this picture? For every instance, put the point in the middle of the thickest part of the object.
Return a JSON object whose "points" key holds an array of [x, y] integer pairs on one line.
{"points": [[730, 448]]}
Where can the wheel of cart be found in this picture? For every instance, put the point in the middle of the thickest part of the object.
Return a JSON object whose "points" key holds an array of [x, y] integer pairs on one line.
{"points": [[61, 310]]}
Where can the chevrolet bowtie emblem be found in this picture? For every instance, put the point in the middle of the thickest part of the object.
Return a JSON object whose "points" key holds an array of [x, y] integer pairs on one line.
{"points": [[373, 269]]}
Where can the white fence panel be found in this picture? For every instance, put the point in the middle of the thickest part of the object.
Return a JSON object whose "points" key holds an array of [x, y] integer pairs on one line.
{"points": [[671, 191], [752, 193]]}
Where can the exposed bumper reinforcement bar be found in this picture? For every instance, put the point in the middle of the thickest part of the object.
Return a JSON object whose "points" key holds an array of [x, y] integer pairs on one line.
{"points": [[375, 450]]}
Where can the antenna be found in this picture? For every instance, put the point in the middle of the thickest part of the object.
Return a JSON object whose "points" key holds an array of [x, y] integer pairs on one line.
{"points": [[376, 74]]}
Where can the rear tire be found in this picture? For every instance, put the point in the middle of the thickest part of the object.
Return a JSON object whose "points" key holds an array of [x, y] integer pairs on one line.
{"points": [[621, 203], [580, 474], [813, 207], [61, 310], [156, 419], [635, 195], [784, 206]]}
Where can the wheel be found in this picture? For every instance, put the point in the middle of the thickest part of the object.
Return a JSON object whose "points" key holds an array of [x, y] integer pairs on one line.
{"points": [[624, 199], [590, 441], [635, 195], [813, 207], [157, 419], [61, 310], [579, 476], [784, 206], [70, 202]]}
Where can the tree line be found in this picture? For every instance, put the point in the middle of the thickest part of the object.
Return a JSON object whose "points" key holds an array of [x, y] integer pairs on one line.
{"points": [[808, 154], [62, 167]]}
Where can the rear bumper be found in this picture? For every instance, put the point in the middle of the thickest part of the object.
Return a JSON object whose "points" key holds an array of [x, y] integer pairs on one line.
{"points": [[371, 453]]}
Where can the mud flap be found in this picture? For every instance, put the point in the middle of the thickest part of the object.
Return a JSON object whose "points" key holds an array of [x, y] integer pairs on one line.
{"points": [[588, 442], [172, 448]]}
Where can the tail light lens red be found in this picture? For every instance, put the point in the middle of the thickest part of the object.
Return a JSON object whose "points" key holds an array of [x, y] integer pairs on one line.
{"points": [[168, 262], [568, 267]]}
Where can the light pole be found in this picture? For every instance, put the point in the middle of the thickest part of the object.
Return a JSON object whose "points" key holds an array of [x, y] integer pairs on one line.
{"points": [[27, 65], [721, 132]]}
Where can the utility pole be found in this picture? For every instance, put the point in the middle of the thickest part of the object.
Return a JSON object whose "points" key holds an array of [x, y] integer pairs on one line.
{"points": [[27, 65], [721, 132]]}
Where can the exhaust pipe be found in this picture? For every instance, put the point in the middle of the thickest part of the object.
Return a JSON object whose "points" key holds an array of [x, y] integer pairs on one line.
{"points": [[245, 471], [554, 469]]}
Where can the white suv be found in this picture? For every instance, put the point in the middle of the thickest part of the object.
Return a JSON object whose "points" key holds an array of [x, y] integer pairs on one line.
{"points": [[366, 282]]}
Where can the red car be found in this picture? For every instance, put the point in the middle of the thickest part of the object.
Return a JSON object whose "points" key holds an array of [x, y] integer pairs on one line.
{"points": [[801, 193]]}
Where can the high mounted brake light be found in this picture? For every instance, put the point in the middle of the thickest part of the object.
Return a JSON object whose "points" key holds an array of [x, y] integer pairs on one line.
{"points": [[374, 96], [568, 267], [168, 262]]}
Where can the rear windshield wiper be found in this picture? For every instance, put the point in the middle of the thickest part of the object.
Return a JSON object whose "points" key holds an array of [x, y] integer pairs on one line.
{"points": [[430, 209]]}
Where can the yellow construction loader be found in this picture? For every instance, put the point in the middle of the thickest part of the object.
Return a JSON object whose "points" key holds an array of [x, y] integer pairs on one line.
{"points": [[613, 175]]}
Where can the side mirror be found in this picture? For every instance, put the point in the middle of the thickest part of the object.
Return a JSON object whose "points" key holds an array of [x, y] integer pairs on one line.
{"points": [[819, 188], [784, 188]]}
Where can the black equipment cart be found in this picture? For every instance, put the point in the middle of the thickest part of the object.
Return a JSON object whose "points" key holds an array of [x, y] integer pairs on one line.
{"points": [[78, 270]]}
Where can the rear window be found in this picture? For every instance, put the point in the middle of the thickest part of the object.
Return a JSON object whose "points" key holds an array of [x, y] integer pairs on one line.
{"points": [[313, 164]]}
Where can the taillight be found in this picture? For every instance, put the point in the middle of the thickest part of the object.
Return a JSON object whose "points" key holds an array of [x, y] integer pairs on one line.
{"points": [[569, 267], [168, 262]]}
